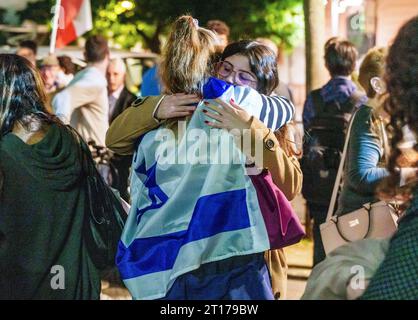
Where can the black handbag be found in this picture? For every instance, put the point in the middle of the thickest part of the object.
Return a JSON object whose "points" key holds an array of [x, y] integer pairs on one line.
{"points": [[105, 216]]}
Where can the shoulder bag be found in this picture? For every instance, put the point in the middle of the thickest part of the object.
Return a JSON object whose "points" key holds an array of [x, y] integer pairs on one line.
{"points": [[373, 220], [105, 214]]}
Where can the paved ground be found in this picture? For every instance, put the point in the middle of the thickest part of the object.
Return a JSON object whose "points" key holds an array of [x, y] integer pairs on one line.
{"points": [[299, 257], [295, 289], [299, 260]]}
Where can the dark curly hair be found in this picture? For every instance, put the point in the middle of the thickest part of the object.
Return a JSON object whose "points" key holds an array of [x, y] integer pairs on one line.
{"points": [[402, 86]]}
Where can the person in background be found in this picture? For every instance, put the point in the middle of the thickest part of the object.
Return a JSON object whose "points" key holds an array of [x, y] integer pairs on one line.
{"points": [[396, 277], [42, 196], [389, 267], [290, 131], [67, 71], [221, 29], [282, 89], [28, 49], [120, 98], [49, 70], [84, 102], [326, 115], [151, 84], [364, 170], [368, 147]]}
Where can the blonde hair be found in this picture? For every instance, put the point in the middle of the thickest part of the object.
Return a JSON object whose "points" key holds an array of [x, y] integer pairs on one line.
{"points": [[373, 65], [186, 61]]}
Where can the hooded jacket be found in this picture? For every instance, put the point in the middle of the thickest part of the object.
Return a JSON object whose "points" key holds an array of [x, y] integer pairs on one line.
{"points": [[42, 205], [338, 89]]}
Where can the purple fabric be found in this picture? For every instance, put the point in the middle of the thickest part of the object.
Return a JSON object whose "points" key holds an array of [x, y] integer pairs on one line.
{"points": [[282, 223], [338, 89]]}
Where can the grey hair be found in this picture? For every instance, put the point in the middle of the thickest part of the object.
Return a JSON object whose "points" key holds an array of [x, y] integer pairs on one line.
{"points": [[119, 63]]}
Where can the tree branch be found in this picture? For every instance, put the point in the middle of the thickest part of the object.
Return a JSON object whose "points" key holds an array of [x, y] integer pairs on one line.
{"points": [[143, 35]]}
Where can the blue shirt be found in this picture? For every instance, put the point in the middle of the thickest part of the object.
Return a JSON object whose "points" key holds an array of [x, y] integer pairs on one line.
{"points": [[151, 83], [364, 169]]}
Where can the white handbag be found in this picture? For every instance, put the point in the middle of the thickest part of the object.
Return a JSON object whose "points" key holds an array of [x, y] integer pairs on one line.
{"points": [[374, 220]]}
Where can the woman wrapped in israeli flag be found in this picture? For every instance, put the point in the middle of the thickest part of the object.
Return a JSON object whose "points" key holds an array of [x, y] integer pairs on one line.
{"points": [[196, 229]]}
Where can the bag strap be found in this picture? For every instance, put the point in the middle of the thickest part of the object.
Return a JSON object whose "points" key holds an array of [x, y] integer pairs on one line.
{"points": [[385, 142], [87, 161], [340, 170]]}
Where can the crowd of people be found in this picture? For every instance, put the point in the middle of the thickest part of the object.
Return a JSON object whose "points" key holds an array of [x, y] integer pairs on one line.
{"points": [[199, 228]]}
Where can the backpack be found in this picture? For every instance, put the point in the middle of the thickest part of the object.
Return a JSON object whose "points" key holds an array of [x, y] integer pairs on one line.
{"points": [[323, 146]]}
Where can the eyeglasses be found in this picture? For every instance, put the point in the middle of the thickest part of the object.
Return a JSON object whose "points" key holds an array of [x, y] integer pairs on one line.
{"points": [[225, 69]]}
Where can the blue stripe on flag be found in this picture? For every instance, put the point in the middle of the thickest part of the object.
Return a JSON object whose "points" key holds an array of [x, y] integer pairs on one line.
{"points": [[213, 214], [155, 193]]}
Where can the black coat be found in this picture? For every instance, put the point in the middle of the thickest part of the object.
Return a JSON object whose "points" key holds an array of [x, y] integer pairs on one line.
{"points": [[122, 163], [124, 101]]}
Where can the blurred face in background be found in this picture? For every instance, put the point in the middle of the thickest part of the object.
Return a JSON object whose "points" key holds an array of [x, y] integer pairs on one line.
{"points": [[223, 40], [27, 53], [50, 76], [116, 72], [221, 29], [371, 76]]}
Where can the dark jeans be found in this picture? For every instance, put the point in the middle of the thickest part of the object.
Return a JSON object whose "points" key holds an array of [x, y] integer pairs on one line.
{"points": [[318, 213], [237, 278]]}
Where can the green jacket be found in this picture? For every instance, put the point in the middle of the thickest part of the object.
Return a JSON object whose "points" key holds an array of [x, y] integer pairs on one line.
{"points": [[397, 276], [42, 253]]}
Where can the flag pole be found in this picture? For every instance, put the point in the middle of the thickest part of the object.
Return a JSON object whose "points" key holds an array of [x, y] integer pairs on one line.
{"points": [[55, 25]]}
